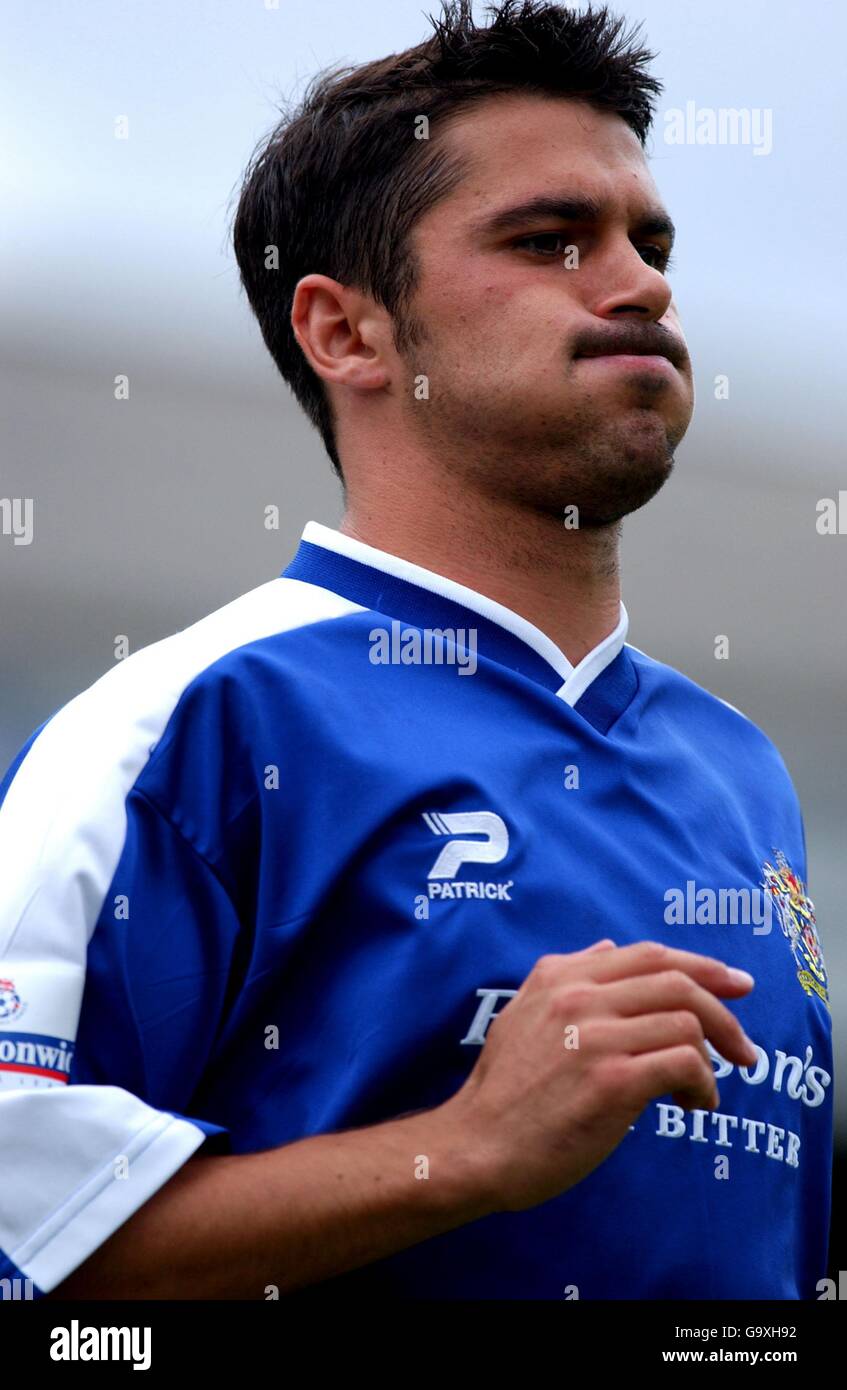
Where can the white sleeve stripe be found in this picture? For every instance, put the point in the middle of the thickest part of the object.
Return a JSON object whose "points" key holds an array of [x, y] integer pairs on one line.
{"points": [[62, 832]]}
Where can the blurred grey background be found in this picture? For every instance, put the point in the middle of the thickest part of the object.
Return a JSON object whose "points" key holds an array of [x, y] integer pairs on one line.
{"points": [[149, 512]]}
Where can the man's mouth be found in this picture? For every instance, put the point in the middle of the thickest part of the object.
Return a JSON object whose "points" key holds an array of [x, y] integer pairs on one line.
{"points": [[629, 361], [634, 347]]}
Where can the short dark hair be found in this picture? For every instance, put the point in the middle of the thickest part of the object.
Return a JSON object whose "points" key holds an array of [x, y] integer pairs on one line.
{"points": [[339, 183]]}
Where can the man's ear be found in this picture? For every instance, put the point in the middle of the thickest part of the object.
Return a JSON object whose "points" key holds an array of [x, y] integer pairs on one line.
{"points": [[343, 333]]}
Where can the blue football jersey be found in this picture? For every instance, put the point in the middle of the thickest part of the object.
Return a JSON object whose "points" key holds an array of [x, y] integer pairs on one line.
{"points": [[275, 875]]}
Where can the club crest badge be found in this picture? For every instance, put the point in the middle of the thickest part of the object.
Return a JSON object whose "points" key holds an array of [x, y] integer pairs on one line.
{"points": [[795, 913], [11, 1004]]}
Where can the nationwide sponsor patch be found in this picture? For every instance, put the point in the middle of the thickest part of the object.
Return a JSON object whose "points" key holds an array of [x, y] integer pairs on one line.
{"points": [[796, 915], [34, 1058]]}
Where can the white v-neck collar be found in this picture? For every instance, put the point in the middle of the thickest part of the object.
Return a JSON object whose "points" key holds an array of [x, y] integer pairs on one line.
{"points": [[575, 679]]}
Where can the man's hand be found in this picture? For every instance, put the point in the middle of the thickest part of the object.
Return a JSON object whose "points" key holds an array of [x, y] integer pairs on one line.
{"points": [[546, 1104]]}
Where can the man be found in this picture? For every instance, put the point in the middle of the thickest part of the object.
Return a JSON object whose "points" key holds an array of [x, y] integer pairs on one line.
{"points": [[377, 903]]}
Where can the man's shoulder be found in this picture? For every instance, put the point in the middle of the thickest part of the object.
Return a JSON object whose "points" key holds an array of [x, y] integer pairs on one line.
{"points": [[700, 711], [108, 730]]}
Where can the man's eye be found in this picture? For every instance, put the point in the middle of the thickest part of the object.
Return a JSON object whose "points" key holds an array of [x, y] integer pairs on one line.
{"points": [[547, 238], [657, 257], [556, 244]]}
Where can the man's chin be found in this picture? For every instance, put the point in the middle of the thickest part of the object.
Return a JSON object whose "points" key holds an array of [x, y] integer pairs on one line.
{"points": [[607, 499]]}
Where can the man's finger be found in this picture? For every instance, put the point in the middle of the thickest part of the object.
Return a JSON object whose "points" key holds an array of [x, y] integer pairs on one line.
{"points": [[627, 962], [648, 994]]}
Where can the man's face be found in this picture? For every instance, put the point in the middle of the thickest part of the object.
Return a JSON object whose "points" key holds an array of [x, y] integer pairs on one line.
{"points": [[500, 319]]}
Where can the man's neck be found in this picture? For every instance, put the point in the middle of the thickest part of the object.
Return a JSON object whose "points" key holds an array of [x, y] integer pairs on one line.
{"points": [[566, 582]]}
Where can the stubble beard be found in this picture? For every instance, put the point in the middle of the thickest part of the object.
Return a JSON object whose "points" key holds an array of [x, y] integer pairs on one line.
{"points": [[604, 465]]}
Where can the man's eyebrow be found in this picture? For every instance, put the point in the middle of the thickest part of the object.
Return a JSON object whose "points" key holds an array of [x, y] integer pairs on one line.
{"points": [[654, 222]]}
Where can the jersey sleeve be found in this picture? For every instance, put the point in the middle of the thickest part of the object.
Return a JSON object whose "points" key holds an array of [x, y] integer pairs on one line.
{"points": [[117, 941]]}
